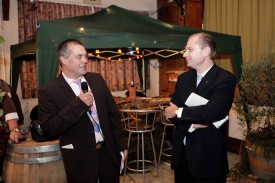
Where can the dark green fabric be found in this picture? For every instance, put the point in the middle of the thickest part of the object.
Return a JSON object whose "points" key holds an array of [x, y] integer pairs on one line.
{"points": [[20, 52], [47, 65], [16, 67], [115, 27]]}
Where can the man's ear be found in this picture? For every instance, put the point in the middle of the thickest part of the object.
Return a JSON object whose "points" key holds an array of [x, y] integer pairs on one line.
{"points": [[63, 60], [206, 51]]}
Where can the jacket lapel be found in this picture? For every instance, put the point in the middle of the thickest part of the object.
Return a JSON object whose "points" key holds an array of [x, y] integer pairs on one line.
{"points": [[65, 87], [208, 79]]}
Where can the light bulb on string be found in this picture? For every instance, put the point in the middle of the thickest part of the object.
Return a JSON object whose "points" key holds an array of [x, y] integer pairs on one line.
{"points": [[81, 30]]}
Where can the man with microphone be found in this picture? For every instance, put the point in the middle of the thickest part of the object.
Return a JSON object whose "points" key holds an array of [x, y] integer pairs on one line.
{"points": [[80, 109]]}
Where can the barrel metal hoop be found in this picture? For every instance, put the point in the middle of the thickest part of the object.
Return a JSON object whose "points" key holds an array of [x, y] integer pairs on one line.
{"points": [[34, 160], [33, 149]]}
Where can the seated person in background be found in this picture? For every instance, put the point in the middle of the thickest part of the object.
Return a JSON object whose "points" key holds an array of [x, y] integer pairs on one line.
{"points": [[34, 113], [138, 94]]}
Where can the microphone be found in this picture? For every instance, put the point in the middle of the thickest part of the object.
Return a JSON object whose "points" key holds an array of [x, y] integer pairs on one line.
{"points": [[84, 87]]}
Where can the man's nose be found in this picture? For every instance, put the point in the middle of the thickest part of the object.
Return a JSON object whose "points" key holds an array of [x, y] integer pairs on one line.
{"points": [[84, 59], [184, 55]]}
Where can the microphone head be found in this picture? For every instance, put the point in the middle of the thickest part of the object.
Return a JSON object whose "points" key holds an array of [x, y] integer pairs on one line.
{"points": [[84, 86]]}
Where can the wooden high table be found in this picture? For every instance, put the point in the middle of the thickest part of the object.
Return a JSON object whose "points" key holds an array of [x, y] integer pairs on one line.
{"points": [[142, 102], [138, 123]]}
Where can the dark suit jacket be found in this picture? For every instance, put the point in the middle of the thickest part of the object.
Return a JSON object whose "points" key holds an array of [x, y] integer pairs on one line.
{"points": [[205, 147], [65, 115]]}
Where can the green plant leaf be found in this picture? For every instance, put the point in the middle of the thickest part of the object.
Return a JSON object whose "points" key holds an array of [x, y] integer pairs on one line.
{"points": [[1, 39]]}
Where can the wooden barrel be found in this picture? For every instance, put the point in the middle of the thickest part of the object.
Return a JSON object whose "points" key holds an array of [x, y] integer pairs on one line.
{"points": [[260, 166], [34, 162]]}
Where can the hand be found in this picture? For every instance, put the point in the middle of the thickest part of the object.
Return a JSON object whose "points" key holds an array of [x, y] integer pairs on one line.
{"points": [[125, 153], [14, 136], [87, 98], [196, 126], [170, 112]]}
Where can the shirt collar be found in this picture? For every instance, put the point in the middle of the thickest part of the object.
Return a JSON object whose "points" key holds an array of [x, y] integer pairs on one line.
{"points": [[205, 72], [69, 80]]}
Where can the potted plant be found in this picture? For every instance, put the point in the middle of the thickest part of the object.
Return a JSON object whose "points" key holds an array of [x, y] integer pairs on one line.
{"points": [[255, 107]]}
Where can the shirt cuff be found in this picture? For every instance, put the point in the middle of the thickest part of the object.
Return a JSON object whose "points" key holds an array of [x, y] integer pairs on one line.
{"points": [[191, 129], [218, 124], [179, 112], [12, 115]]}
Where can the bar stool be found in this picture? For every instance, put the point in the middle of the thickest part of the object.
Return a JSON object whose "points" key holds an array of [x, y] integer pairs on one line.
{"points": [[166, 123], [140, 122]]}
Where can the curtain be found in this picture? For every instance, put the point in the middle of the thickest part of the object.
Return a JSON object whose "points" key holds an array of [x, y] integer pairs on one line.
{"points": [[28, 79], [29, 13], [253, 20], [117, 74]]}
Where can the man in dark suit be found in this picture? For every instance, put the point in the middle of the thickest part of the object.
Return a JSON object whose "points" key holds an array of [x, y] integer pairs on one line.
{"points": [[199, 151], [87, 122]]}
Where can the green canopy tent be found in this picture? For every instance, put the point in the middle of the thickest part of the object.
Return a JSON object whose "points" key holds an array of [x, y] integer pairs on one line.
{"points": [[112, 27]]}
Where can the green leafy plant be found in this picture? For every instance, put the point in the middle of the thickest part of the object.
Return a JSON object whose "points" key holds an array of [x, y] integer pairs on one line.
{"points": [[256, 104], [1, 39], [255, 107], [1, 99]]}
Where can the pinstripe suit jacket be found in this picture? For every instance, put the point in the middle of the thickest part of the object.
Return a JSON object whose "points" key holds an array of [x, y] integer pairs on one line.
{"points": [[65, 115], [205, 147]]}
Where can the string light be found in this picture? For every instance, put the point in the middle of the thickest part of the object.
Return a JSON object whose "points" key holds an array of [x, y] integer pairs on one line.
{"points": [[131, 53], [81, 30]]}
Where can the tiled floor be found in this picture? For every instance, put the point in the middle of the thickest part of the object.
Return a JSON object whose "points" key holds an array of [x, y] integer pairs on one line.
{"points": [[166, 175]]}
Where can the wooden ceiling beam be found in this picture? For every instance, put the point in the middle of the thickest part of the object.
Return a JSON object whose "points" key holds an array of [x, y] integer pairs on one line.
{"points": [[6, 9]]}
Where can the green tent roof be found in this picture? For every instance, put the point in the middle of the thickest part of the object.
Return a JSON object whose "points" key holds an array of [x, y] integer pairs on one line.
{"points": [[115, 27]]}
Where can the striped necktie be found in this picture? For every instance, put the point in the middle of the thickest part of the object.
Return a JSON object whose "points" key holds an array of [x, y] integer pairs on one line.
{"points": [[78, 82], [93, 117]]}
